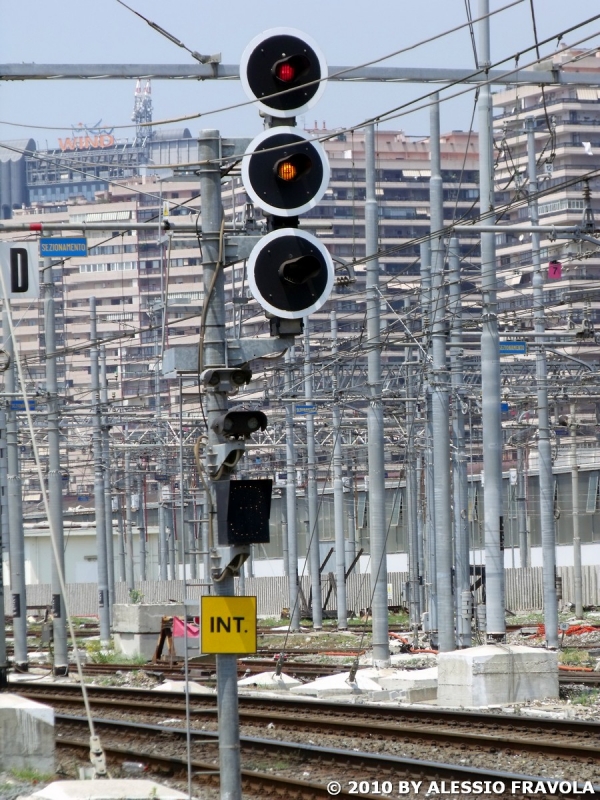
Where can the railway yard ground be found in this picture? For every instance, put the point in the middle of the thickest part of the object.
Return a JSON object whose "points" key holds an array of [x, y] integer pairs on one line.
{"points": [[292, 746]]}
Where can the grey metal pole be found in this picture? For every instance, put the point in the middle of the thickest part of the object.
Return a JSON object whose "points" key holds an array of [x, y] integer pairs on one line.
{"points": [[172, 540], [205, 536], [214, 354], [420, 479], [103, 596], [577, 573], [353, 546], [59, 621], [142, 528], [490, 358], [121, 542], [459, 455], [163, 545], [414, 600], [546, 483], [338, 486], [186, 545], [3, 542], [284, 544], [522, 507], [379, 603], [440, 406], [108, 515], [429, 526], [15, 514], [192, 544], [4, 527], [314, 552], [290, 492], [128, 525]]}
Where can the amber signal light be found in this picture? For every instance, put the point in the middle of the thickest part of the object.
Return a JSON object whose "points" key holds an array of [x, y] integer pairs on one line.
{"points": [[287, 171]]}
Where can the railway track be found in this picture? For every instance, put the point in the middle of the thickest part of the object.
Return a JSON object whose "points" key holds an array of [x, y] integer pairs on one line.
{"points": [[205, 672], [570, 740], [270, 767]]}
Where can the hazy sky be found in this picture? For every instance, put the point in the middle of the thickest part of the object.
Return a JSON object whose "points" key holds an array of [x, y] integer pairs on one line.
{"points": [[349, 32]]}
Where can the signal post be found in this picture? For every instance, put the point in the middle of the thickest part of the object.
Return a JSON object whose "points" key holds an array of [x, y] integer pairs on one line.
{"points": [[291, 275], [285, 173]]}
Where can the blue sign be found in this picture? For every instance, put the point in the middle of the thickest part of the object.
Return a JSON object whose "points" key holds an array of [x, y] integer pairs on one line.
{"points": [[306, 408], [513, 348], [83, 498], [57, 247], [19, 405]]}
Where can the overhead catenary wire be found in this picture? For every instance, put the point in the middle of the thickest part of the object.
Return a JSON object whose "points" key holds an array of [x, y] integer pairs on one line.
{"points": [[371, 62]]}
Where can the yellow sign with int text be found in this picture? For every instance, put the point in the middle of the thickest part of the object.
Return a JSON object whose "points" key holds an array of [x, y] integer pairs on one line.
{"points": [[228, 625]]}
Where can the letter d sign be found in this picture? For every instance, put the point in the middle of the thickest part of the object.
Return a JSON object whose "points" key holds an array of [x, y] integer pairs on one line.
{"points": [[20, 267]]}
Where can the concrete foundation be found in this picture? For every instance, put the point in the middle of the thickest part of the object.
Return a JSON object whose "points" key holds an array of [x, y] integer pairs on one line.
{"points": [[123, 789], [26, 734], [136, 627], [193, 646], [493, 675]]}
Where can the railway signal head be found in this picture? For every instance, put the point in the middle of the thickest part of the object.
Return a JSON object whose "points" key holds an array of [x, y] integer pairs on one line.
{"points": [[239, 424], [285, 173], [284, 70], [290, 273]]}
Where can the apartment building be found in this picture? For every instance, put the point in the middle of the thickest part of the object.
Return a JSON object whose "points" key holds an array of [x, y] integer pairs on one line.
{"points": [[566, 123]]}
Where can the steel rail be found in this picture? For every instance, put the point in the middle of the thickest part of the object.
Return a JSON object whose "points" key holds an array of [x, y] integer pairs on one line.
{"points": [[408, 721], [392, 767]]}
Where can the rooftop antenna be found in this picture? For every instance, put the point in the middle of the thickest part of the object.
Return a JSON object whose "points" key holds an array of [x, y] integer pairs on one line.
{"points": [[142, 113]]}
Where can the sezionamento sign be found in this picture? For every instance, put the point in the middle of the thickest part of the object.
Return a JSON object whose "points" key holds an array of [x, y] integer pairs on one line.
{"points": [[63, 246]]}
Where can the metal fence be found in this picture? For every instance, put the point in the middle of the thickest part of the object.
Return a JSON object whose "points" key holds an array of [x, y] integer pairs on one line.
{"points": [[523, 591]]}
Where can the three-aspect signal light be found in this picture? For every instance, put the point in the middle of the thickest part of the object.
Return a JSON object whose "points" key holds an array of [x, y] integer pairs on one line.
{"points": [[285, 71], [284, 172], [290, 273], [239, 424], [225, 379]]}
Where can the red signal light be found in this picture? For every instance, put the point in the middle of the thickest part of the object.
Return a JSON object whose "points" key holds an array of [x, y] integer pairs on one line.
{"points": [[285, 72]]}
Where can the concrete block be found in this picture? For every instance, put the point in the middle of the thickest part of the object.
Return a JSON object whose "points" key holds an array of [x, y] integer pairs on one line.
{"points": [[136, 626], [120, 789], [134, 645], [493, 675], [193, 646], [179, 687], [26, 734], [143, 617], [338, 684], [421, 694], [403, 680], [268, 680]]}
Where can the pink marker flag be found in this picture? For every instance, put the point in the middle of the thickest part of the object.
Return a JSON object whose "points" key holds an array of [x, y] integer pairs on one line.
{"points": [[193, 631]]}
